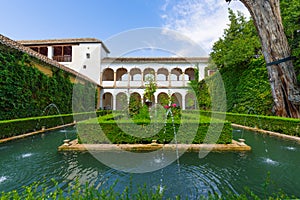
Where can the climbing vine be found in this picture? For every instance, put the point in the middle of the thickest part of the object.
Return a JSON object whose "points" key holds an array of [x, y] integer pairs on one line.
{"points": [[25, 91]]}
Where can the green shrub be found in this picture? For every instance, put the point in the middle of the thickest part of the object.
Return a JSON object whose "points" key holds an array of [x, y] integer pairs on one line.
{"points": [[9, 128], [289, 126], [75, 190], [110, 129]]}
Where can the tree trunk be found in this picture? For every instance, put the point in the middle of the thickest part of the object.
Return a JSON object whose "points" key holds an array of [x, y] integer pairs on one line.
{"points": [[282, 77]]}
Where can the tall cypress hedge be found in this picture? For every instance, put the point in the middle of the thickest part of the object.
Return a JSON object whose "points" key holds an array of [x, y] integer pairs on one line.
{"points": [[247, 90]]}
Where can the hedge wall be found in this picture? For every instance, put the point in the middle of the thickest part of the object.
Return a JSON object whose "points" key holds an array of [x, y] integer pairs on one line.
{"points": [[245, 89], [9, 128], [25, 91], [289, 126], [107, 130]]}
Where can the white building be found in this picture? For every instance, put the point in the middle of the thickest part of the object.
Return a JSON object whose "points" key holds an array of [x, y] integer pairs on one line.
{"points": [[125, 76]]}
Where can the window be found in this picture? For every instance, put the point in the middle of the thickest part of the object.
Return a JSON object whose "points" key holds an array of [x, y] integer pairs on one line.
{"points": [[84, 66], [62, 53], [88, 55], [41, 50], [35, 49]]}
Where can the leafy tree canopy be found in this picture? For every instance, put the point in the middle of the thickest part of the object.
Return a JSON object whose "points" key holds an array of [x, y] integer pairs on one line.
{"points": [[238, 44]]}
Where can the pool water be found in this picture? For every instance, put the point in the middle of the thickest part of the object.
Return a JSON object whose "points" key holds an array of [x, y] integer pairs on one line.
{"points": [[36, 158]]}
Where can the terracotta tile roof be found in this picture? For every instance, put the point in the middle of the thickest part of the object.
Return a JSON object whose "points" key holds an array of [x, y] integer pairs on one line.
{"points": [[18, 46], [156, 59], [62, 41]]}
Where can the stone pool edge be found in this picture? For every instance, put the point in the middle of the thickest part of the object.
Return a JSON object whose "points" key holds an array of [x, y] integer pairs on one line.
{"points": [[234, 146], [35, 132], [271, 133]]}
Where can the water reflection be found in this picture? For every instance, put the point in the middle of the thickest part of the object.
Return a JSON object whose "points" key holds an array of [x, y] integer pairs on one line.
{"points": [[35, 159]]}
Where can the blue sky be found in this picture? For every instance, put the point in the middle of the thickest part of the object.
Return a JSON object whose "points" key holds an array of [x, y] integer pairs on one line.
{"points": [[201, 20]]}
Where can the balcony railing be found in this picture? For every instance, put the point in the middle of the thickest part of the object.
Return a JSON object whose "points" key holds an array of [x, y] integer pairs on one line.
{"points": [[65, 58], [137, 84]]}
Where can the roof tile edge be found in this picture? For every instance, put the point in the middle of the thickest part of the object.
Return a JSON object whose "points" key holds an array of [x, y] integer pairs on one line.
{"points": [[18, 46]]}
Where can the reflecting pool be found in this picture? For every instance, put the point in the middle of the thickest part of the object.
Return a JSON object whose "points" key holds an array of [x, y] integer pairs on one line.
{"points": [[36, 158]]}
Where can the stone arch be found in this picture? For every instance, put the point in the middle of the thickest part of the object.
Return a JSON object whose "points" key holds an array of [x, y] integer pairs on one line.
{"points": [[135, 103], [177, 99], [162, 98], [121, 101], [190, 101], [108, 75], [136, 74], [176, 74], [149, 73], [136, 95], [190, 72], [162, 74], [122, 74], [107, 101]]}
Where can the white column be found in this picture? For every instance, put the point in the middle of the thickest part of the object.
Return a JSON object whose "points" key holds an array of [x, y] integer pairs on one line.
{"points": [[101, 99], [155, 97], [114, 102], [183, 101], [169, 78], [50, 52], [101, 77], [115, 79], [129, 79]]}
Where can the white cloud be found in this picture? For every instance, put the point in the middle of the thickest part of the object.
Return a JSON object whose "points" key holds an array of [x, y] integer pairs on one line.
{"points": [[203, 21]]}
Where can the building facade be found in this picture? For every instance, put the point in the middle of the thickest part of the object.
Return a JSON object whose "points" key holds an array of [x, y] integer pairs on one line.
{"points": [[123, 77]]}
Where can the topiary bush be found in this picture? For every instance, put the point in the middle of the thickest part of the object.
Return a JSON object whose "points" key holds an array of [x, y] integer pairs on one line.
{"points": [[109, 129]]}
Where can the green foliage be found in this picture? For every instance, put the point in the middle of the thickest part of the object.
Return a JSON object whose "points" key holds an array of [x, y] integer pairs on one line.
{"points": [[242, 68], [135, 104], [239, 44], [112, 127], [291, 22], [143, 114], [238, 57], [83, 97], [77, 191], [253, 90], [288, 126], [150, 88], [9, 128], [202, 95], [25, 91]]}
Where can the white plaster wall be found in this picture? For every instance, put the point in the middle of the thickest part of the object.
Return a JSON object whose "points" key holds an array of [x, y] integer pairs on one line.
{"points": [[103, 53], [92, 65], [89, 67]]}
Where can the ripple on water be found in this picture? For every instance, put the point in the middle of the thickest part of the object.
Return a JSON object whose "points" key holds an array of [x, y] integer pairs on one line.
{"points": [[3, 178], [26, 155], [4, 147], [270, 161], [291, 148], [199, 180]]}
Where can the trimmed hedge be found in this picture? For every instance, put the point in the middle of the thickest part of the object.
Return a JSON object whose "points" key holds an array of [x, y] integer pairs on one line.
{"points": [[288, 126], [108, 130], [9, 128]]}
